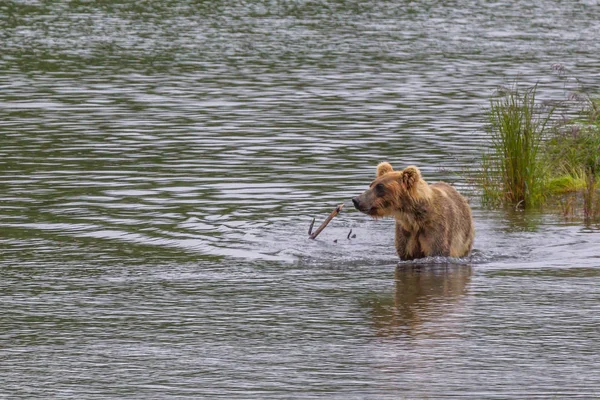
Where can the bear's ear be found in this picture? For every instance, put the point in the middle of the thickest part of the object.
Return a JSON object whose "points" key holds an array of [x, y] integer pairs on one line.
{"points": [[384, 168], [410, 176]]}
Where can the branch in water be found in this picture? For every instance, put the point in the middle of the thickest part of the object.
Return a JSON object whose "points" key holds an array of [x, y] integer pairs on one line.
{"points": [[324, 224]]}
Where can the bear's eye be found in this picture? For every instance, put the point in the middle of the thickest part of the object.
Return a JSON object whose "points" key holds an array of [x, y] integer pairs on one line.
{"points": [[380, 189]]}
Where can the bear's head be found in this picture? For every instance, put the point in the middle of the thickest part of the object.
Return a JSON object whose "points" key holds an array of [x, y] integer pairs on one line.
{"points": [[392, 192]]}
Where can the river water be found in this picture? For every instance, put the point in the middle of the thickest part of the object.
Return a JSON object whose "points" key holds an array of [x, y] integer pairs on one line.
{"points": [[160, 164]]}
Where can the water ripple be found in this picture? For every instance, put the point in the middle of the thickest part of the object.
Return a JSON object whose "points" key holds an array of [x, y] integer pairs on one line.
{"points": [[160, 163]]}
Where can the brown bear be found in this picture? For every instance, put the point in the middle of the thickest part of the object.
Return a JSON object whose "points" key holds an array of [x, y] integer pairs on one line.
{"points": [[431, 220]]}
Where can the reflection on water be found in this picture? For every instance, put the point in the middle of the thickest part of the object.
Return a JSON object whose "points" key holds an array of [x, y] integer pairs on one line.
{"points": [[423, 294], [160, 163]]}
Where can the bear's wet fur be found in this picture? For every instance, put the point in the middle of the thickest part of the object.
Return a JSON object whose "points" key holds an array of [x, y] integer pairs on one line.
{"points": [[431, 220]]}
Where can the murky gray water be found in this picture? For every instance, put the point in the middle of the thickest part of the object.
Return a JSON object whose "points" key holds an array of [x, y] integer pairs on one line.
{"points": [[160, 164]]}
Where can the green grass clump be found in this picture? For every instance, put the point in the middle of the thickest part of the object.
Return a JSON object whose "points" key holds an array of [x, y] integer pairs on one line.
{"points": [[575, 149], [513, 171], [535, 160], [566, 183]]}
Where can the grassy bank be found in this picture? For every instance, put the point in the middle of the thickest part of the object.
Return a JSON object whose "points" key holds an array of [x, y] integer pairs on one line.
{"points": [[539, 159]]}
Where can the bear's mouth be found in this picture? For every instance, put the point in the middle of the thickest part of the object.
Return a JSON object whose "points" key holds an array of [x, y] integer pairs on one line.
{"points": [[373, 212], [363, 208], [369, 211]]}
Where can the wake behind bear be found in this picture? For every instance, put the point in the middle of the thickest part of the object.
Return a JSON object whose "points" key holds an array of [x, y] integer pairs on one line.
{"points": [[431, 220]]}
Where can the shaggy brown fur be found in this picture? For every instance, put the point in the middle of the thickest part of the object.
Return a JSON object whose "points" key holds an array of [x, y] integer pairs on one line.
{"points": [[431, 220]]}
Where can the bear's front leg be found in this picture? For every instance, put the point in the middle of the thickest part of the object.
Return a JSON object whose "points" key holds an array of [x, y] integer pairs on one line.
{"points": [[434, 243], [407, 244]]}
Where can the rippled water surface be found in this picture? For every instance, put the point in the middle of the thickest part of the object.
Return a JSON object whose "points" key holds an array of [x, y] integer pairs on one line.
{"points": [[160, 163]]}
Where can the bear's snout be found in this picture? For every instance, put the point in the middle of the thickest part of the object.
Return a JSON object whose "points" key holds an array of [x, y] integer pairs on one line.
{"points": [[356, 203]]}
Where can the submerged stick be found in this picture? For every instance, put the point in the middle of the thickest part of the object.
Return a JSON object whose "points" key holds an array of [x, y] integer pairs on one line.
{"points": [[324, 224], [311, 226]]}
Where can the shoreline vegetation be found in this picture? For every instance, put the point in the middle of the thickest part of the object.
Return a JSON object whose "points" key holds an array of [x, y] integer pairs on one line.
{"points": [[543, 155]]}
